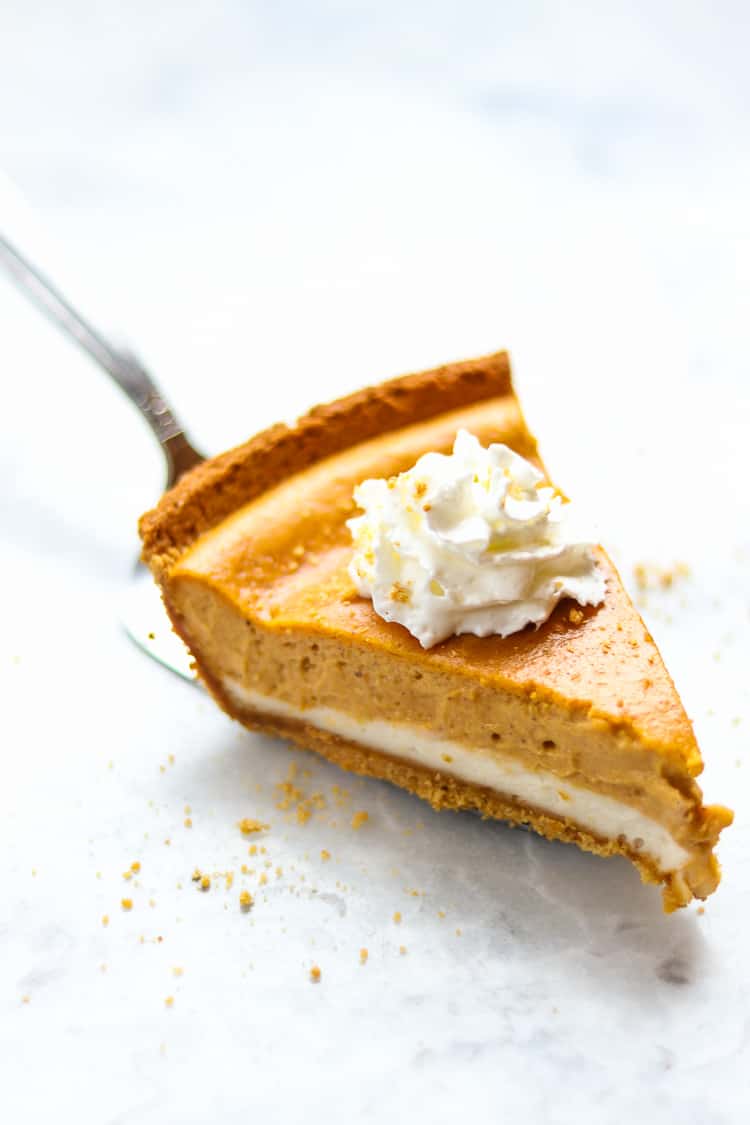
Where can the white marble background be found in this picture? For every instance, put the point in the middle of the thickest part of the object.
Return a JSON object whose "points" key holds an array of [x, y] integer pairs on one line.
{"points": [[276, 203]]}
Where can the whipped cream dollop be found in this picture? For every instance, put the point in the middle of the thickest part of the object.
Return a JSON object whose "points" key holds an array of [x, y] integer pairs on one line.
{"points": [[469, 542]]}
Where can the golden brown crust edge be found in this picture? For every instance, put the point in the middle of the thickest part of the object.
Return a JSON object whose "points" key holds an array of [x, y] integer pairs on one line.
{"points": [[213, 490]]}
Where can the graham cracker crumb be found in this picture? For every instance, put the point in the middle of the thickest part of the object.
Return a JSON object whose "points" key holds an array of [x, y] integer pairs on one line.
{"points": [[229, 879], [397, 917], [400, 593], [325, 855], [127, 874], [205, 882], [126, 903], [248, 825], [196, 875], [315, 974], [188, 822], [135, 867], [105, 919], [169, 1002], [263, 879], [359, 819], [575, 615], [363, 955], [246, 900]]}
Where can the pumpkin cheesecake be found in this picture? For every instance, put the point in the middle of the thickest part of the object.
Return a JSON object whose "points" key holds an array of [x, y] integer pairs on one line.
{"points": [[547, 706]]}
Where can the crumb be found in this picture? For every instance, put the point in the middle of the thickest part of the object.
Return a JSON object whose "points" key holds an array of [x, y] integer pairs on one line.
{"points": [[441, 914], [363, 955], [187, 810], [26, 999], [169, 1002], [575, 616], [458, 933], [246, 900], [127, 874], [315, 974], [105, 919], [170, 759], [167, 842], [188, 822], [126, 903], [162, 769], [701, 910], [249, 824], [205, 882], [402, 950], [253, 849], [397, 917], [400, 593], [325, 855], [135, 867], [304, 812], [359, 819], [263, 879], [263, 850], [446, 758], [279, 872], [196, 875], [229, 879], [177, 971], [244, 869]]}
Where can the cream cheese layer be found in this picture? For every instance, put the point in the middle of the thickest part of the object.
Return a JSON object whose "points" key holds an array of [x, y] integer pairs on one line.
{"points": [[603, 816]]}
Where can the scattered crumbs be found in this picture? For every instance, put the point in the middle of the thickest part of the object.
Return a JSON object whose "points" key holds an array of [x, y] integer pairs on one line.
{"points": [[400, 593], [304, 812], [402, 950], [26, 999], [279, 871], [205, 882], [575, 616], [363, 955], [248, 825], [126, 903], [244, 870], [315, 974], [263, 850], [229, 879], [359, 819], [648, 576], [325, 855], [196, 875], [263, 879], [105, 919], [169, 1002], [246, 900], [253, 849], [135, 867], [441, 914], [127, 874], [188, 822], [170, 759]]}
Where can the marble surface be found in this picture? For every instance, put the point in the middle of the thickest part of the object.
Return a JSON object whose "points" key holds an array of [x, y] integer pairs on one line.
{"points": [[275, 204]]}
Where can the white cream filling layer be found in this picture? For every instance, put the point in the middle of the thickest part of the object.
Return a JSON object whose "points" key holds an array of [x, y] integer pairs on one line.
{"points": [[601, 815]]}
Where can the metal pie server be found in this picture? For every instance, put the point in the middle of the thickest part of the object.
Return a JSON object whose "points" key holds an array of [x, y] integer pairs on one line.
{"points": [[142, 612]]}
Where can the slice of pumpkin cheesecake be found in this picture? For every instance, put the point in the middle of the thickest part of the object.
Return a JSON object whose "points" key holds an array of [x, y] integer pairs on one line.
{"points": [[393, 583]]}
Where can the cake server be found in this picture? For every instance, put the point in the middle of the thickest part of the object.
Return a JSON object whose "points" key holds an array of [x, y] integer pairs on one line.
{"points": [[142, 612]]}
